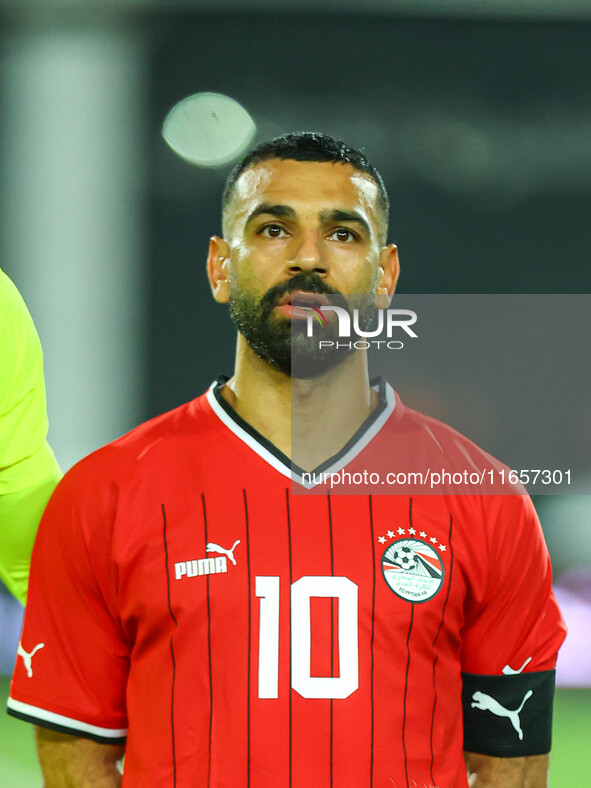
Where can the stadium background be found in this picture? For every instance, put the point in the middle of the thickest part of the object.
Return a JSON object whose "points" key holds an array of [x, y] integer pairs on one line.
{"points": [[478, 115]]}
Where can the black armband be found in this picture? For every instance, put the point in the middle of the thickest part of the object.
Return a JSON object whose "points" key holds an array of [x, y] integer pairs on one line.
{"points": [[508, 716]]}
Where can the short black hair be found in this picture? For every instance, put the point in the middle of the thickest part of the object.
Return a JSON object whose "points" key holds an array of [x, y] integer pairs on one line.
{"points": [[311, 146]]}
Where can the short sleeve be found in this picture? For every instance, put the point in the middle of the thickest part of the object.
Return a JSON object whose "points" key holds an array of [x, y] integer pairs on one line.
{"points": [[512, 635], [62, 678]]}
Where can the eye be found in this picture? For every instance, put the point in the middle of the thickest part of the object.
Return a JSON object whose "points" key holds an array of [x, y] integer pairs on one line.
{"points": [[344, 235], [272, 231]]}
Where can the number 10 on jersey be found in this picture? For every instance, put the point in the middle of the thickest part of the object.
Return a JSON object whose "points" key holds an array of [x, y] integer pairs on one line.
{"points": [[267, 589]]}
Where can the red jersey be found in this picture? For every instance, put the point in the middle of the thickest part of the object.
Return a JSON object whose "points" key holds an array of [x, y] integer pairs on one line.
{"points": [[234, 634]]}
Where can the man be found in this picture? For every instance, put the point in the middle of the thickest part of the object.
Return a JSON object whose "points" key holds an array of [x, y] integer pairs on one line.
{"points": [[28, 469], [234, 630]]}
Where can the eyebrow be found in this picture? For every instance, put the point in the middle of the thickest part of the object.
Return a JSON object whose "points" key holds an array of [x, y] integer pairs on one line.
{"points": [[279, 211], [287, 212], [345, 216]]}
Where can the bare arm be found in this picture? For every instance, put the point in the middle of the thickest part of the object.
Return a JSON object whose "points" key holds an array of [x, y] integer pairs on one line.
{"points": [[486, 771], [75, 762]]}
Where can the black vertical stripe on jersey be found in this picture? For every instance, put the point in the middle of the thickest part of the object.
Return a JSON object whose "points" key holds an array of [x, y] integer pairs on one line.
{"points": [[208, 646], [290, 584], [171, 644], [249, 641], [331, 626], [167, 569], [172, 712], [373, 609], [451, 568], [412, 611]]}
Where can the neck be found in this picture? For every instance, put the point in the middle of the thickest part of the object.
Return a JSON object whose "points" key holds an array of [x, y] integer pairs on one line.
{"points": [[309, 420]]}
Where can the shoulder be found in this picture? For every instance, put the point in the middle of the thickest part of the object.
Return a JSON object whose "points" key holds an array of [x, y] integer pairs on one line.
{"points": [[122, 475], [424, 442], [131, 454], [14, 314], [442, 439], [454, 465], [21, 359], [17, 330], [10, 298]]}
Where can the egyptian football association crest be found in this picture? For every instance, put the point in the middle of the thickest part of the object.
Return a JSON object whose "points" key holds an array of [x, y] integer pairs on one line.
{"points": [[413, 569]]}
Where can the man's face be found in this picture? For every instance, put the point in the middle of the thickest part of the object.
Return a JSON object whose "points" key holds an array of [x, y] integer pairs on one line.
{"points": [[298, 227]]}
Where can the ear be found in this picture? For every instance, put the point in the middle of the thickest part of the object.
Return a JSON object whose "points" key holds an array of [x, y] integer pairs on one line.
{"points": [[218, 273], [388, 273]]}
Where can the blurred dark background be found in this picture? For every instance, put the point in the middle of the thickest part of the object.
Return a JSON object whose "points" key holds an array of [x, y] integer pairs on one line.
{"points": [[480, 128]]}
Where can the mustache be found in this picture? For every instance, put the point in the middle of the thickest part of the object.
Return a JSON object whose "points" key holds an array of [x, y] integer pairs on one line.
{"points": [[308, 283]]}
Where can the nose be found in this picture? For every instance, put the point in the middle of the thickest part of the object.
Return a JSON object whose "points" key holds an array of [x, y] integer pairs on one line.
{"points": [[309, 256]]}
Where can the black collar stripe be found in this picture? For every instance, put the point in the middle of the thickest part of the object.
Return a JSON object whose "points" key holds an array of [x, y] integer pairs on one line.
{"points": [[281, 462]]}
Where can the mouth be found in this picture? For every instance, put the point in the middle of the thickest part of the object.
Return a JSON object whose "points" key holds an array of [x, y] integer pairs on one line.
{"points": [[300, 298], [295, 305]]}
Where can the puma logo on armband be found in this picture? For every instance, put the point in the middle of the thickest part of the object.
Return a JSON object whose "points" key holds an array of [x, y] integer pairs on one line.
{"points": [[486, 703], [28, 656]]}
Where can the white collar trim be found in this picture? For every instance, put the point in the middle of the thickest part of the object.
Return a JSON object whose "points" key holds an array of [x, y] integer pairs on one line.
{"points": [[341, 460]]}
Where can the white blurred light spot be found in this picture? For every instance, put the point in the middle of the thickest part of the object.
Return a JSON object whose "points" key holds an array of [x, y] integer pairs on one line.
{"points": [[208, 129]]}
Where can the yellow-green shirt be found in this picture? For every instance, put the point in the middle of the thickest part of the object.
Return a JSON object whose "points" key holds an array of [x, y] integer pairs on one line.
{"points": [[28, 469]]}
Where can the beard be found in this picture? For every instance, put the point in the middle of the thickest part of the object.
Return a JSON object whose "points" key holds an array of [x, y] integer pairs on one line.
{"points": [[284, 343]]}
